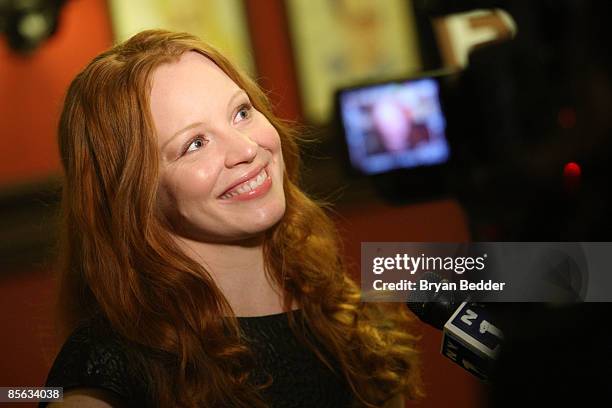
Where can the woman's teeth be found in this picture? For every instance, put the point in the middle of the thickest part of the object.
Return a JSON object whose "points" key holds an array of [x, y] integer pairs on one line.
{"points": [[247, 185]]}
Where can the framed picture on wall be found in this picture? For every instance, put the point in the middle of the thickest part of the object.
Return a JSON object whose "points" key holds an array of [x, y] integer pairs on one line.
{"points": [[221, 23], [340, 43]]}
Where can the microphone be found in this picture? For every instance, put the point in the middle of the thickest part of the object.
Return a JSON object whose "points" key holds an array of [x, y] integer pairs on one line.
{"points": [[471, 337], [472, 340]]}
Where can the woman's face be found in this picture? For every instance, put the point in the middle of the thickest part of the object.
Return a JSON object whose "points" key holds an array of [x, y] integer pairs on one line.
{"points": [[221, 170]]}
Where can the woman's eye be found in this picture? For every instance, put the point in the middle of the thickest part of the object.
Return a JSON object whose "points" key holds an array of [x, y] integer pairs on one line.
{"points": [[195, 144], [243, 113]]}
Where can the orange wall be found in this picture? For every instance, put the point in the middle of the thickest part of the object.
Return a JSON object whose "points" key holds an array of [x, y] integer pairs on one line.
{"points": [[32, 89]]}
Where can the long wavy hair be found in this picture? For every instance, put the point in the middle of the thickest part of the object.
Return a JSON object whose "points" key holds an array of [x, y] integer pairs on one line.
{"points": [[118, 260]]}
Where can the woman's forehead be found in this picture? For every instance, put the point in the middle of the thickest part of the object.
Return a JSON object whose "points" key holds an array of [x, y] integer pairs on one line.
{"points": [[193, 78], [190, 65]]}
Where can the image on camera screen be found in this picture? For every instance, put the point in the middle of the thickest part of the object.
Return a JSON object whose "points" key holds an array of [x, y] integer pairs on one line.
{"points": [[394, 126]]}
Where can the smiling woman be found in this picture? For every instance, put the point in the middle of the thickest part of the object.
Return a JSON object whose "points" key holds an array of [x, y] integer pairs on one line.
{"points": [[194, 271]]}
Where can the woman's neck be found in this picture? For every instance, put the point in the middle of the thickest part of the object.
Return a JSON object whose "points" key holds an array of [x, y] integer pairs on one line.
{"points": [[238, 270]]}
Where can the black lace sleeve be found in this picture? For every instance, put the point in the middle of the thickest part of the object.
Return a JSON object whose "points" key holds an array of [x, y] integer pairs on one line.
{"points": [[95, 358]]}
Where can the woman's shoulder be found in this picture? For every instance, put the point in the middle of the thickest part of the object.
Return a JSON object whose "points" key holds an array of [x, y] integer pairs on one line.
{"points": [[95, 357]]}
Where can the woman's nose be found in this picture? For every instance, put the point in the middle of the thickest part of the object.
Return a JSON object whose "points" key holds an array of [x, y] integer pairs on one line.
{"points": [[240, 149]]}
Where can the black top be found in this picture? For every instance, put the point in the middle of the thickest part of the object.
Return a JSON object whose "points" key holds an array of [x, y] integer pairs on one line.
{"points": [[96, 359]]}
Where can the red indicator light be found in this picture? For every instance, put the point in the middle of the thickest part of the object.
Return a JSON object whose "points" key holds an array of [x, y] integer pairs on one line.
{"points": [[571, 176], [571, 169]]}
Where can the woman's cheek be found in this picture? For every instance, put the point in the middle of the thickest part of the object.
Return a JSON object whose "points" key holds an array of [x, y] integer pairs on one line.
{"points": [[191, 179]]}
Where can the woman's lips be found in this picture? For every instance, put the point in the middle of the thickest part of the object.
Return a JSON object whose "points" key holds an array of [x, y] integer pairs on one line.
{"points": [[255, 187]]}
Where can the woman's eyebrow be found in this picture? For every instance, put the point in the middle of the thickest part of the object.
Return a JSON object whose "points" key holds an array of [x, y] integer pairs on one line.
{"points": [[186, 128], [236, 94]]}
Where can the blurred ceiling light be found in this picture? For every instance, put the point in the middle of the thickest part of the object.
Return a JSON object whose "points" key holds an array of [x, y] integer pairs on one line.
{"points": [[28, 23]]}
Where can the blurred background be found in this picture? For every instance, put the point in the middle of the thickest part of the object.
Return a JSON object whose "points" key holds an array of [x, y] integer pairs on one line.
{"points": [[527, 99]]}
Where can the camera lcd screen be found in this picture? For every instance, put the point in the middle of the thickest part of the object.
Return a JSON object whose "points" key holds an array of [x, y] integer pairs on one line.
{"points": [[397, 125]]}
